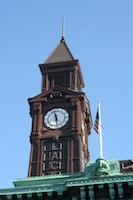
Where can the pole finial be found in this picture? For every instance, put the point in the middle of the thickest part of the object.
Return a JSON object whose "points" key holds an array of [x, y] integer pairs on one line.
{"points": [[62, 28]]}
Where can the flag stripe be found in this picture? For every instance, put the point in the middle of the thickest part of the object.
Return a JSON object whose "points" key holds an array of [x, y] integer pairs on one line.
{"points": [[97, 123]]}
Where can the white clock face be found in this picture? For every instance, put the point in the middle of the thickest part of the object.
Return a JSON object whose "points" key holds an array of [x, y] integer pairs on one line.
{"points": [[56, 118]]}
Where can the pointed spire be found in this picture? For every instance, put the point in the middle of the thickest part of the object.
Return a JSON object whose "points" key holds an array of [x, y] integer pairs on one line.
{"points": [[61, 53], [62, 39]]}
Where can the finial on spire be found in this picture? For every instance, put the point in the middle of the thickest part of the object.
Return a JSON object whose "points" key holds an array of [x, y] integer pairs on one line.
{"points": [[62, 28]]}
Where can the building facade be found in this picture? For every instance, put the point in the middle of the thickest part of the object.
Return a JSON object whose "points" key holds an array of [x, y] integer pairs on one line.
{"points": [[59, 165]]}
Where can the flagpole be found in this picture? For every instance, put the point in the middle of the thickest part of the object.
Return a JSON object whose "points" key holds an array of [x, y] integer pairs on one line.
{"points": [[100, 131]]}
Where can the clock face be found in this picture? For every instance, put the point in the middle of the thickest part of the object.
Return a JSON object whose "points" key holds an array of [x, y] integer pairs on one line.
{"points": [[56, 118]]}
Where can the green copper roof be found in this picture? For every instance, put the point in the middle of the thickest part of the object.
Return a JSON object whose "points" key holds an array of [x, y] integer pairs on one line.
{"points": [[96, 173]]}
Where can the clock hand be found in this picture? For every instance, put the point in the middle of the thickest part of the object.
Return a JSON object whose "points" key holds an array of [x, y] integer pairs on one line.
{"points": [[56, 119]]}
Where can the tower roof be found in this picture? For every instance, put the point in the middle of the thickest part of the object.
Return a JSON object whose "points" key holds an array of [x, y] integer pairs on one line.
{"points": [[60, 54]]}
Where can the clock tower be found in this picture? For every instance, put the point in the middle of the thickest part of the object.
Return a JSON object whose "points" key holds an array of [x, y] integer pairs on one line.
{"points": [[61, 117]]}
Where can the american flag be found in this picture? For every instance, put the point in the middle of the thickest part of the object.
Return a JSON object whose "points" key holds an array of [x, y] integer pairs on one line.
{"points": [[97, 123]]}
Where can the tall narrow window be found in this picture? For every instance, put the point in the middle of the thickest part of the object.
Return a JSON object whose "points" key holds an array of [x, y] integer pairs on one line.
{"points": [[55, 155]]}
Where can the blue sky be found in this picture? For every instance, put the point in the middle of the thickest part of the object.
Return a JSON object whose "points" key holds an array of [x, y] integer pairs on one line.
{"points": [[100, 34]]}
